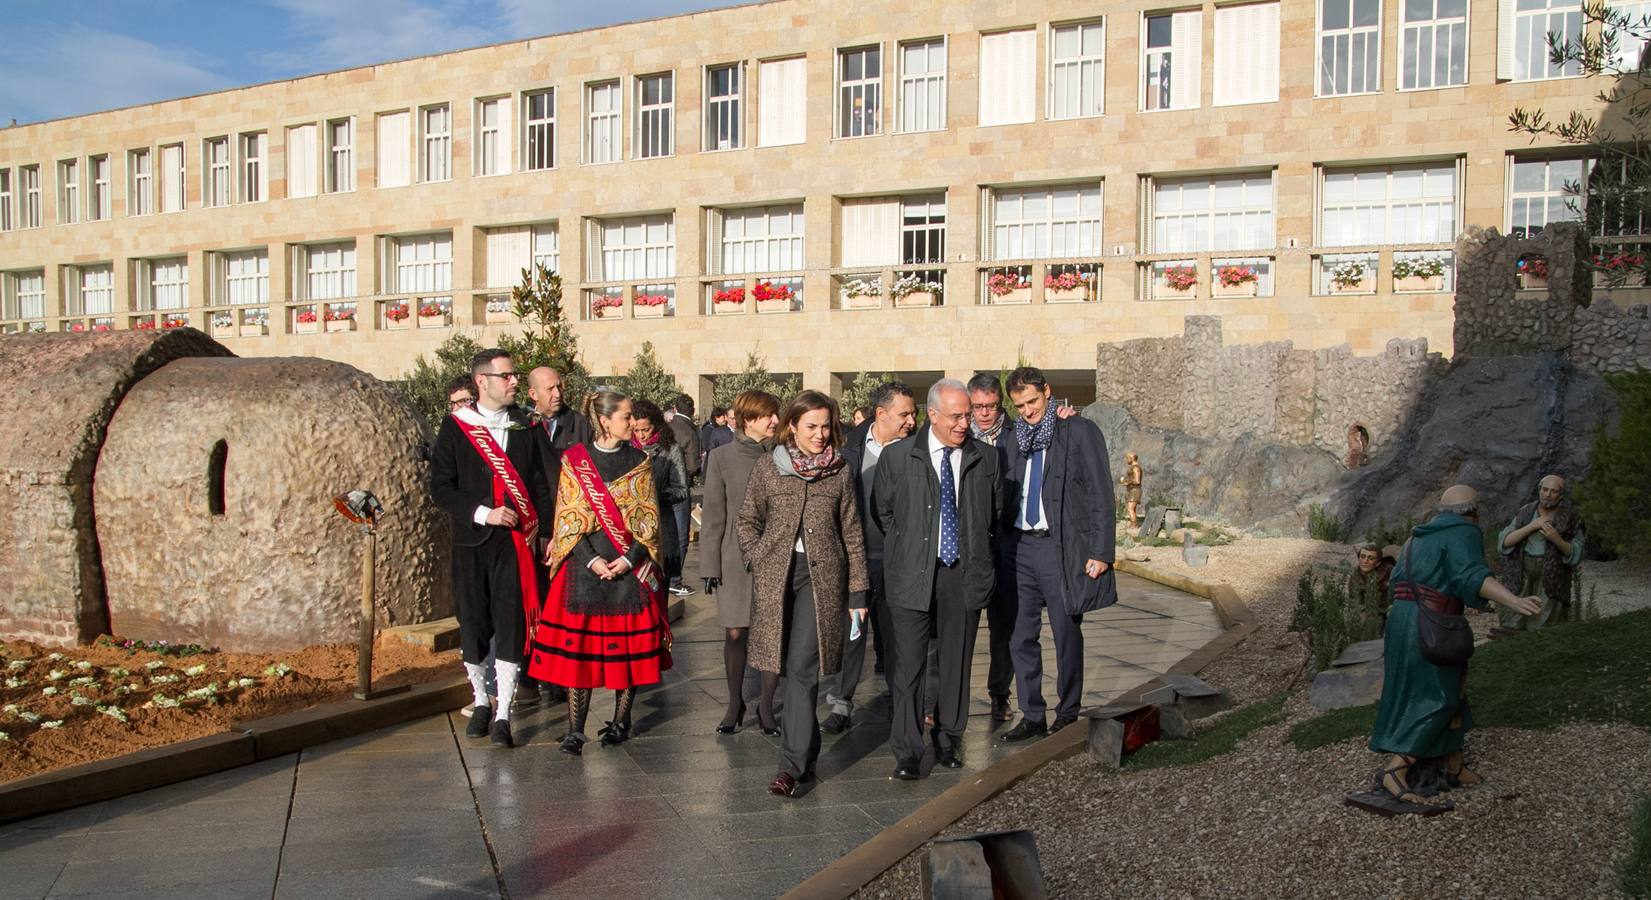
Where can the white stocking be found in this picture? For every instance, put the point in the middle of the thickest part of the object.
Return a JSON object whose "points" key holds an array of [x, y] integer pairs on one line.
{"points": [[478, 682], [504, 676]]}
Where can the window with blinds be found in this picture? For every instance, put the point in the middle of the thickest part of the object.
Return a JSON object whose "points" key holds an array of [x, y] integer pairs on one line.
{"points": [[329, 270], [162, 284], [756, 239], [513, 248], [171, 184], [782, 101], [240, 277], [1228, 212], [395, 144], [303, 154], [1046, 222], [422, 264], [859, 91], [923, 85], [631, 249], [724, 107], [1349, 47], [1402, 204], [869, 230], [1172, 50], [1077, 70], [492, 139], [1433, 44], [1008, 77], [92, 290], [25, 294], [1246, 54]]}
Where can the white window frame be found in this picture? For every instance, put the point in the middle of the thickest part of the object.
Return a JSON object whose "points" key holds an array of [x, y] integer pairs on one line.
{"points": [[1410, 45], [1629, 47], [863, 87], [420, 265], [100, 169], [921, 104], [340, 162], [385, 151], [744, 250], [93, 282], [1527, 30], [68, 191], [1078, 75], [1193, 49], [163, 283], [242, 277], [169, 185], [646, 260], [923, 224], [298, 145], [538, 132], [6, 199], [547, 246], [25, 294], [217, 185], [1554, 189], [1058, 236], [1211, 213], [1245, 66], [1393, 209], [1352, 33], [331, 266], [604, 129], [782, 101], [140, 182], [435, 143], [30, 207], [253, 167], [493, 141], [725, 113], [655, 136]]}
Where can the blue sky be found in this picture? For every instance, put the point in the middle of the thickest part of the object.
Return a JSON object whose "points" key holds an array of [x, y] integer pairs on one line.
{"points": [[65, 59]]}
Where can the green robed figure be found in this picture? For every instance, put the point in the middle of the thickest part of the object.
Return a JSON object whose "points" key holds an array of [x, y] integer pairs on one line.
{"points": [[1424, 713]]}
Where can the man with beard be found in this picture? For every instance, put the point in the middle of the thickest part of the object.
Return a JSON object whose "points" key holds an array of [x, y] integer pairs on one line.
{"points": [[1541, 549]]}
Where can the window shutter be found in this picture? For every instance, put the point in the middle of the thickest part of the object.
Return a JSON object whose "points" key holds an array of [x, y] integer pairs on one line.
{"points": [[509, 251], [1246, 54], [507, 137], [301, 158], [1008, 77], [782, 101], [713, 241], [298, 273], [1504, 39], [394, 142], [593, 251], [871, 232], [1187, 51]]}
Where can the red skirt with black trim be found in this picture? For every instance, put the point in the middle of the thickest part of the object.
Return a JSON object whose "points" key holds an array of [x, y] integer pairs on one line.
{"points": [[578, 650]]}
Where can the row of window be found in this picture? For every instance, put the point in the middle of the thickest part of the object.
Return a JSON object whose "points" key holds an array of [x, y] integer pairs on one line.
{"points": [[416, 144]]}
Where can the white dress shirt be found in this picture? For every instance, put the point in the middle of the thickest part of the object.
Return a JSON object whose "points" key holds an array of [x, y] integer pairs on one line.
{"points": [[935, 456], [497, 422], [1022, 502]]}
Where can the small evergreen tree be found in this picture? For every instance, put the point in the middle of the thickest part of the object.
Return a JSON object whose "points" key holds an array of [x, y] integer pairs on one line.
{"points": [[648, 380], [859, 392], [425, 387], [547, 339], [755, 377], [1615, 497]]}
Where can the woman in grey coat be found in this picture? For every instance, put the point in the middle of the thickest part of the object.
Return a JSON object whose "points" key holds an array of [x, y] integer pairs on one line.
{"points": [[727, 469]]}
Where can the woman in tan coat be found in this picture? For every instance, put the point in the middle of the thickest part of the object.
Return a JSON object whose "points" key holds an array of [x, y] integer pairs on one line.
{"points": [[721, 564], [800, 533]]}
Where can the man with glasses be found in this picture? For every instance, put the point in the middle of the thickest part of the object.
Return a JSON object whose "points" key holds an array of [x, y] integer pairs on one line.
{"points": [[461, 393], [486, 474]]}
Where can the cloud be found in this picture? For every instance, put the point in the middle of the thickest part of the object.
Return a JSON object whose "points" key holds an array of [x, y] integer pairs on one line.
{"points": [[79, 70], [332, 35]]}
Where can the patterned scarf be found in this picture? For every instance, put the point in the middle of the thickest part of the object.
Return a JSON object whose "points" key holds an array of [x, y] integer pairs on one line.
{"points": [[649, 446], [989, 437], [819, 465], [1033, 438]]}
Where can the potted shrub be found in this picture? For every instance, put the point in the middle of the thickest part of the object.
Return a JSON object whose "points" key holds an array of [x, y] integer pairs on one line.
{"points": [[395, 316], [912, 290], [1533, 273], [1623, 267], [1425, 273], [1008, 288], [1067, 287], [306, 322], [1179, 280], [498, 311], [434, 315], [340, 320], [223, 325], [1236, 281], [1351, 277], [728, 301], [255, 324], [607, 306], [772, 297], [650, 306], [863, 293]]}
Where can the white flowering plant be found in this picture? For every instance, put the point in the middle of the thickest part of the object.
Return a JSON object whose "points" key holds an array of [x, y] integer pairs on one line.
{"points": [[907, 285]]}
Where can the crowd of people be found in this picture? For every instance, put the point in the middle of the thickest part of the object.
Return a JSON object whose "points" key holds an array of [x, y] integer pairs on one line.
{"points": [[825, 544]]}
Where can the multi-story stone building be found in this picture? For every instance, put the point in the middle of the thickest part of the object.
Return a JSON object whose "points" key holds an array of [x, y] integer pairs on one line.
{"points": [[890, 185]]}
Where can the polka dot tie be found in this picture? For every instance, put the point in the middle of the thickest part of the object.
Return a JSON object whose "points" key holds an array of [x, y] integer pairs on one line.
{"points": [[948, 509]]}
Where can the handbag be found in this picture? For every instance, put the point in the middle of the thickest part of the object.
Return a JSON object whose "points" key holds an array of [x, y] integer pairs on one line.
{"points": [[1444, 637]]}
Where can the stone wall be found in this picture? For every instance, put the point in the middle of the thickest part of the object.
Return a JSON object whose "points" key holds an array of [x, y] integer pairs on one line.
{"points": [[57, 394], [275, 567]]}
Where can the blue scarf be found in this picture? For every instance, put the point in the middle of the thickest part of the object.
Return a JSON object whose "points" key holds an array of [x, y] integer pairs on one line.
{"points": [[1033, 438]]}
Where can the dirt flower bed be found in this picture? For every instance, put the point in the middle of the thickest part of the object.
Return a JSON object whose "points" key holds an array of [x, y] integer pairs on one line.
{"points": [[60, 707]]}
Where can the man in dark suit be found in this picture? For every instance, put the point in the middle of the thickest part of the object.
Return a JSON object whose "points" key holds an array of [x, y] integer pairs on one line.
{"points": [[937, 497], [1059, 532], [562, 425], [487, 475], [894, 416], [989, 424]]}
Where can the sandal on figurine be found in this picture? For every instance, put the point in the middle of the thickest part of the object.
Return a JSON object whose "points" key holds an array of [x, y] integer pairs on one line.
{"points": [[1394, 782], [1463, 777], [612, 735]]}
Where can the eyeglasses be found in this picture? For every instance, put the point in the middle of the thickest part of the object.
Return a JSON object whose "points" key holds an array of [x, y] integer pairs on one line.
{"points": [[982, 407], [462, 401], [505, 375]]}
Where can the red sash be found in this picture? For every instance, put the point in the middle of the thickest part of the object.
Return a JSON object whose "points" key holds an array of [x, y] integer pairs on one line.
{"points": [[577, 460], [507, 484]]}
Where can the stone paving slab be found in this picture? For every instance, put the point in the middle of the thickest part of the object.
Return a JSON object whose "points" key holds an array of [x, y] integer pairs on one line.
{"points": [[419, 810]]}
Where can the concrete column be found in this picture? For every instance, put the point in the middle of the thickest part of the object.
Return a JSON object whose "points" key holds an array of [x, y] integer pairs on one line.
{"points": [[281, 288]]}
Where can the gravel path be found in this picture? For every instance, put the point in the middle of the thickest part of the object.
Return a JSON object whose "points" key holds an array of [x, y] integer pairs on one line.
{"points": [[1268, 821]]}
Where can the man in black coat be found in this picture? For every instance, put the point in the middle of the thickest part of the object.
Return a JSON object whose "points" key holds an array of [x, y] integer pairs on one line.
{"points": [[894, 416], [562, 425], [990, 424], [493, 546], [937, 497], [1059, 528]]}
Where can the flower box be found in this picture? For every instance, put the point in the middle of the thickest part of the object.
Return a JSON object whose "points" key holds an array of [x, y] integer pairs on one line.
{"points": [[1242, 289], [656, 311], [1602, 279], [341, 325], [396, 325], [862, 301], [915, 298], [438, 321], [1013, 296], [727, 309], [254, 330], [306, 327], [219, 331], [1529, 282], [777, 305], [1072, 295], [1365, 285], [1423, 284], [499, 317], [607, 312], [1165, 289]]}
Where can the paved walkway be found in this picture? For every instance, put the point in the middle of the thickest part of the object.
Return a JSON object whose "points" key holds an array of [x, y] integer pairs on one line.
{"points": [[420, 811]]}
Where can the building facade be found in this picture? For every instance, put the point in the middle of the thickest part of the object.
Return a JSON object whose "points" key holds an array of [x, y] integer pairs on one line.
{"points": [[895, 185]]}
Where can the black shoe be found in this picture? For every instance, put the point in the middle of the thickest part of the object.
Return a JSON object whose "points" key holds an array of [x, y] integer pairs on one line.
{"points": [[1000, 708], [770, 730], [1061, 722], [1024, 731], [729, 726], [836, 723], [612, 735], [948, 758], [907, 770], [501, 734], [480, 718], [573, 745]]}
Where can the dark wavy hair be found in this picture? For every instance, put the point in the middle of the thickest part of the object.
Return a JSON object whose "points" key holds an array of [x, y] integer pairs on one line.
{"points": [[647, 409]]}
